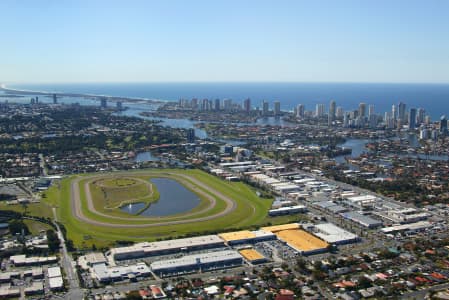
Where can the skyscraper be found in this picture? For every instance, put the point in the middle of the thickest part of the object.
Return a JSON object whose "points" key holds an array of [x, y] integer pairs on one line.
{"points": [[227, 104], [394, 112], [346, 120], [340, 112], [104, 102], [332, 108], [55, 99], [194, 103], [277, 108], [420, 116], [247, 105], [412, 119], [332, 111], [362, 110], [265, 108], [401, 112], [217, 104], [319, 110], [372, 121], [371, 110], [300, 109], [443, 125], [190, 135]]}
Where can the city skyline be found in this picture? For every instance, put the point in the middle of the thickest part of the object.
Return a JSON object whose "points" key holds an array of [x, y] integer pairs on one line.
{"points": [[82, 41]]}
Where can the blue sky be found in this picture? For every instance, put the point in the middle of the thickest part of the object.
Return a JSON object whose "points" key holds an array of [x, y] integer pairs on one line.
{"points": [[158, 41]]}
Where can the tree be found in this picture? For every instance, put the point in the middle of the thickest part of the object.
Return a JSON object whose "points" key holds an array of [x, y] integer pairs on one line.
{"points": [[53, 240], [18, 227], [133, 296]]}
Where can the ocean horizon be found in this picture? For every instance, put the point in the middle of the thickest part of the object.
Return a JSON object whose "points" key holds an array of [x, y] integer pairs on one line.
{"points": [[433, 97]]}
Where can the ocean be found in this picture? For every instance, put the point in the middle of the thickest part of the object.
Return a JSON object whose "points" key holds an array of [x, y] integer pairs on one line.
{"points": [[434, 98]]}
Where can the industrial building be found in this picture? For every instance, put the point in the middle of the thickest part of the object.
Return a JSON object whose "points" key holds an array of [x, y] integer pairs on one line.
{"points": [[8, 291], [363, 220], [166, 247], [302, 241], [22, 260], [246, 236], [8, 276], [103, 273], [37, 287], [253, 256], [287, 210], [407, 228], [55, 278], [277, 228], [197, 262], [333, 234], [330, 206], [363, 201], [403, 215], [91, 259]]}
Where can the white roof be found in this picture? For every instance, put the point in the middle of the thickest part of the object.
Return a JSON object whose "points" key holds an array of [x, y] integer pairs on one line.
{"points": [[362, 198], [193, 260], [103, 272], [54, 272], [149, 247], [55, 282], [287, 187], [412, 226], [262, 233], [333, 234], [95, 257], [287, 208], [231, 164]]}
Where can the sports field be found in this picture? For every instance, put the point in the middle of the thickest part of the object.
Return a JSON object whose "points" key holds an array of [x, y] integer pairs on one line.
{"points": [[88, 206]]}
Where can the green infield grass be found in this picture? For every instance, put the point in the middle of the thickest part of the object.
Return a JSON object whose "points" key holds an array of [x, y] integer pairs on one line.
{"points": [[250, 210]]}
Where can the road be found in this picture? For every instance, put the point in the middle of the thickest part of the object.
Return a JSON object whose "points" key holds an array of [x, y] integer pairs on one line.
{"points": [[78, 213], [420, 294], [75, 292], [42, 164]]}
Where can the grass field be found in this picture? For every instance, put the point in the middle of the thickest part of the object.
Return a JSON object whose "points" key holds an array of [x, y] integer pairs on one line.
{"points": [[41, 209], [117, 191], [251, 211], [36, 227]]}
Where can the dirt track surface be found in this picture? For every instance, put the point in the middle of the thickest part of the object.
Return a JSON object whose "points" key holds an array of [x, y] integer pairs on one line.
{"points": [[186, 180]]}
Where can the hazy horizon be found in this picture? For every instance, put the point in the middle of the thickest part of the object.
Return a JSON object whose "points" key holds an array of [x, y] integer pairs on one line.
{"points": [[231, 41]]}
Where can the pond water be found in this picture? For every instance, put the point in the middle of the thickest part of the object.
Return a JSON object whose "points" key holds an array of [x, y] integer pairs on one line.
{"points": [[174, 199], [145, 156]]}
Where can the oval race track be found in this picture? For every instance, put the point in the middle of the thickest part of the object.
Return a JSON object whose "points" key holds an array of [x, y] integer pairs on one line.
{"points": [[188, 181]]}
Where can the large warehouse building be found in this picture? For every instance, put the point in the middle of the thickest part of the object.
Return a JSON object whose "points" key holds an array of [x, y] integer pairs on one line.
{"points": [[298, 239], [246, 236], [333, 234], [197, 262], [166, 247], [362, 219], [302, 241], [253, 256], [276, 228], [287, 210], [103, 273]]}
